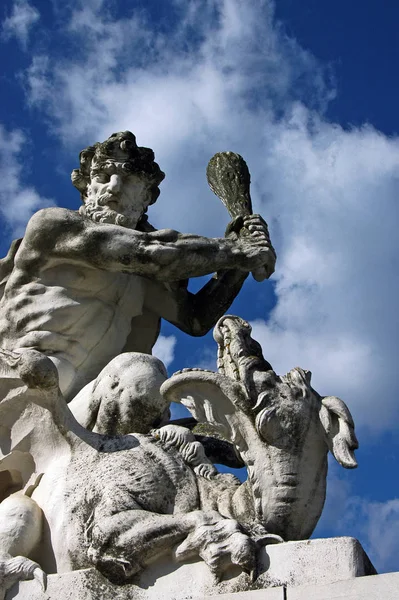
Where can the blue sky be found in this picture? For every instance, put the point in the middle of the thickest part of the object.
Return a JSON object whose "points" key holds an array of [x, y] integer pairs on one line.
{"points": [[307, 93]]}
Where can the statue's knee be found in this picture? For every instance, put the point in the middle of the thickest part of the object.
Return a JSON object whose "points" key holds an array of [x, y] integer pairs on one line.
{"points": [[135, 361], [20, 525], [127, 390]]}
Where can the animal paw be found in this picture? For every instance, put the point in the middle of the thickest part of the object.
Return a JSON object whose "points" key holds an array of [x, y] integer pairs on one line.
{"points": [[262, 537], [19, 568], [220, 545]]}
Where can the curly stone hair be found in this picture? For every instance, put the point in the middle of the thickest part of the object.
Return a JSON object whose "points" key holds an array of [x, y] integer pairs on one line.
{"points": [[119, 147]]}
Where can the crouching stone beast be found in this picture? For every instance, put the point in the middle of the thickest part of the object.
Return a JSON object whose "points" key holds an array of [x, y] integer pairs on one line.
{"points": [[119, 502]]}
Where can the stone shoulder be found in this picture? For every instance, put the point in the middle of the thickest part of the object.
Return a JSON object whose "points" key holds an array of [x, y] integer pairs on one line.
{"points": [[48, 224]]}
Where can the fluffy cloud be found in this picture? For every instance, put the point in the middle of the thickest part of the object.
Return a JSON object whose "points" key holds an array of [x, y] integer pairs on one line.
{"points": [[185, 95], [329, 194], [334, 193], [375, 524], [164, 349], [382, 532], [17, 201], [20, 22]]}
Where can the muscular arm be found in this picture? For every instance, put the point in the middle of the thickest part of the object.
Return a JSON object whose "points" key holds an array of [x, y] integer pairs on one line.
{"points": [[163, 255], [196, 314], [213, 300]]}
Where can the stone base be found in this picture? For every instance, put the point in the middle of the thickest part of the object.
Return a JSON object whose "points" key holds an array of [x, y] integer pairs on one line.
{"points": [[314, 562], [282, 567], [376, 587]]}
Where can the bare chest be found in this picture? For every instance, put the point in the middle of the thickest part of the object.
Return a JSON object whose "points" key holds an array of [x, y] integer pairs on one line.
{"points": [[89, 307], [82, 281]]}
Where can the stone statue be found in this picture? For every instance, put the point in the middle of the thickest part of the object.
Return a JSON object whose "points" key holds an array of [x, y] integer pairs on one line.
{"points": [[84, 286], [117, 519], [93, 474], [277, 421]]}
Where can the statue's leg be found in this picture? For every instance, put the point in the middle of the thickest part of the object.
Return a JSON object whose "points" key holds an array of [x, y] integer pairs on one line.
{"points": [[124, 543], [125, 396], [20, 532]]}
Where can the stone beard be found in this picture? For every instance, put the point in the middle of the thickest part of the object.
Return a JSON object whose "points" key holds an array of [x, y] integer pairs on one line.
{"points": [[105, 484], [119, 502], [97, 210], [117, 194]]}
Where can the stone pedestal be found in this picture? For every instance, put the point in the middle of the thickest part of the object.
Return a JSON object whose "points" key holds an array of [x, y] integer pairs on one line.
{"points": [[314, 563], [377, 587], [319, 561]]}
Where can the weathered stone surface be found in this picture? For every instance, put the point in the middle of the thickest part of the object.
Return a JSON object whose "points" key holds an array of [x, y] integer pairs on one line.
{"points": [[270, 594], [228, 177], [106, 481], [316, 562], [376, 587], [89, 585], [93, 283], [121, 502], [189, 582], [279, 425]]}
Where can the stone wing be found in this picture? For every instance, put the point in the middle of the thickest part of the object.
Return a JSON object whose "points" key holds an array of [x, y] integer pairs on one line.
{"points": [[211, 398]]}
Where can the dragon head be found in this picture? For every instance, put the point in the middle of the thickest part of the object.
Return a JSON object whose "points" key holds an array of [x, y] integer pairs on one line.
{"points": [[239, 356]]}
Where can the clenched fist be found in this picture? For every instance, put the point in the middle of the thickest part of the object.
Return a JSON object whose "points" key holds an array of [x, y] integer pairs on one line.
{"points": [[256, 251], [258, 230]]}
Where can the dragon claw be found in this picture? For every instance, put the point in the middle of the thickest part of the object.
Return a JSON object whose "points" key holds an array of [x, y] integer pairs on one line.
{"points": [[269, 538], [20, 568], [40, 577]]}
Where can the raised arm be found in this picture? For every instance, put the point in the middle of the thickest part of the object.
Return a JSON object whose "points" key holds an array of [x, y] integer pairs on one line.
{"points": [[163, 255], [196, 314]]}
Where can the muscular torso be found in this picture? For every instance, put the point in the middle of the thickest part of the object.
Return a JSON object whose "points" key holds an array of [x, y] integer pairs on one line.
{"points": [[71, 309], [80, 314], [83, 292]]}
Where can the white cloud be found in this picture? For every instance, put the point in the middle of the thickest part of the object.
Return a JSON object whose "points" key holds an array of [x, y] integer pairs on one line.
{"points": [[382, 531], [329, 194], [17, 201], [334, 193], [374, 524], [186, 95], [164, 349], [20, 22]]}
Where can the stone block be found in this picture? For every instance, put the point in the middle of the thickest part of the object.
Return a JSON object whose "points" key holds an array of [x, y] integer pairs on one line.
{"points": [[318, 561], [270, 594], [376, 587], [312, 562], [188, 582], [86, 584]]}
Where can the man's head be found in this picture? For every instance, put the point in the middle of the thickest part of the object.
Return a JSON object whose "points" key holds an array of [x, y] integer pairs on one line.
{"points": [[125, 397], [117, 180]]}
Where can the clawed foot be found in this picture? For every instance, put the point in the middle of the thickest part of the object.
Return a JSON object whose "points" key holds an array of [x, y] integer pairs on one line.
{"points": [[220, 545], [262, 537], [19, 568]]}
